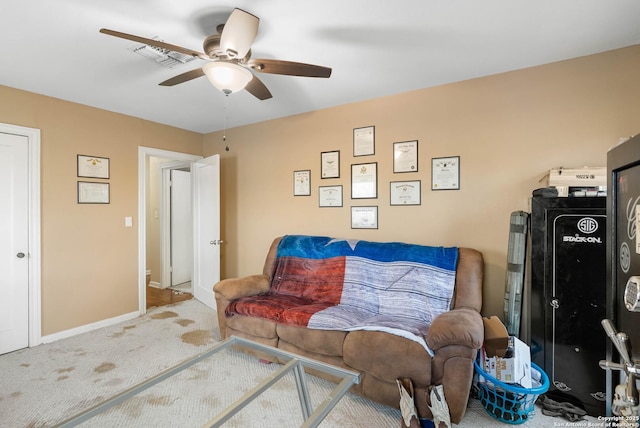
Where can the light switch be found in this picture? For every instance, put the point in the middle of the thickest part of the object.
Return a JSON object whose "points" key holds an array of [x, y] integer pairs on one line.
{"points": [[128, 222]]}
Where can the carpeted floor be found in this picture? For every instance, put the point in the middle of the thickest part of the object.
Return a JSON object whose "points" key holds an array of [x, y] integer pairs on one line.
{"points": [[45, 385]]}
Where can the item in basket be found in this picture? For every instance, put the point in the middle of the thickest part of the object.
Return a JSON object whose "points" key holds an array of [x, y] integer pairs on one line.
{"points": [[496, 337], [514, 367]]}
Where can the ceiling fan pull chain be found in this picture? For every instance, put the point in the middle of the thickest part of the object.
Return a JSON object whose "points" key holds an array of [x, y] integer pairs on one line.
{"points": [[224, 112]]}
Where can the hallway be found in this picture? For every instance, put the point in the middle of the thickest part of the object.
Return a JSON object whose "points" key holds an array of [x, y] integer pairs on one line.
{"points": [[165, 296]]}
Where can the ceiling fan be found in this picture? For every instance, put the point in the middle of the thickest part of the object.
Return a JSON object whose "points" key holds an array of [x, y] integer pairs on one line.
{"points": [[228, 56]]}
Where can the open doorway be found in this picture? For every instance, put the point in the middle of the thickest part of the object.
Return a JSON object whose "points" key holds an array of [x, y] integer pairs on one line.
{"points": [[155, 216], [205, 232], [169, 231]]}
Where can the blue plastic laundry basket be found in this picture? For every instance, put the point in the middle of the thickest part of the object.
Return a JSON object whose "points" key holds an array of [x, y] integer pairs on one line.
{"points": [[509, 403]]}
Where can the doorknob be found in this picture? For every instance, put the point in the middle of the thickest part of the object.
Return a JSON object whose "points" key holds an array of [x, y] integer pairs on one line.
{"points": [[216, 242], [20, 255]]}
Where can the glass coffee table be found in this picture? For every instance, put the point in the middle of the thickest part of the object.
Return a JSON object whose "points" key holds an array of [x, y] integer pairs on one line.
{"points": [[295, 364]]}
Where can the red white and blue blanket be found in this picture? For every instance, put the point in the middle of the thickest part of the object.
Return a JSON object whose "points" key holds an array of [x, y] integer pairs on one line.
{"points": [[338, 284]]}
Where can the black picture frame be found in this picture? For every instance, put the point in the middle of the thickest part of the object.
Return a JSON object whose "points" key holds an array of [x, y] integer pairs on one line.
{"points": [[409, 162], [364, 217], [364, 180], [330, 196], [93, 167], [364, 141], [405, 193], [327, 167], [445, 173], [91, 192], [302, 182]]}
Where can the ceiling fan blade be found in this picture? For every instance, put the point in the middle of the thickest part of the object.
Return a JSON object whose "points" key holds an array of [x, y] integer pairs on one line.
{"points": [[256, 88], [274, 66], [238, 33], [156, 43], [184, 77]]}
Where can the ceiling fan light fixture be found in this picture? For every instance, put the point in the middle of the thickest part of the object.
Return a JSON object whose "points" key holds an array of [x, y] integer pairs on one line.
{"points": [[227, 76]]}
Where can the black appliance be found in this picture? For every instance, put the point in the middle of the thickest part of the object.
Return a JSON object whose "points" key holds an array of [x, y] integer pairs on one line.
{"points": [[568, 297], [623, 248]]}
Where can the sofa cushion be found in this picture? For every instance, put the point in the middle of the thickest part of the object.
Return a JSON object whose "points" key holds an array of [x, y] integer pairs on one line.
{"points": [[321, 342], [300, 315], [256, 327], [327, 359], [268, 306], [316, 280]]}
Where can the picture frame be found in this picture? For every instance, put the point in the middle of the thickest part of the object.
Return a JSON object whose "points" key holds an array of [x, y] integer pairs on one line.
{"points": [[92, 167], [302, 183], [364, 217], [405, 156], [330, 164], [445, 173], [404, 193], [330, 196], [90, 192], [364, 180], [364, 141]]}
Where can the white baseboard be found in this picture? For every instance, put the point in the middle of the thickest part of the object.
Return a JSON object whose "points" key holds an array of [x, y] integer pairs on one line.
{"points": [[154, 284], [88, 327]]}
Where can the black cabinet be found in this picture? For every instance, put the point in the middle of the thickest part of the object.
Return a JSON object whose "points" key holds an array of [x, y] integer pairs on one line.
{"points": [[623, 209], [568, 297]]}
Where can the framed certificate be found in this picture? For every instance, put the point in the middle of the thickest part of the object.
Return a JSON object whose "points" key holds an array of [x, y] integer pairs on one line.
{"points": [[364, 141], [330, 196], [302, 183], [93, 193], [405, 192], [405, 156], [364, 217], [93, 167], [445, 173], [330, 164], [364, 180]]}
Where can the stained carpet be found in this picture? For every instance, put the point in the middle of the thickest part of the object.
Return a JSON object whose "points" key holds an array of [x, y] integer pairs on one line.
{"points": [[44, 385]]}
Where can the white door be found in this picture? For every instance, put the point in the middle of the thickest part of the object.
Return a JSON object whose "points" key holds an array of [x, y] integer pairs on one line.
{"points": [[206, 221], [14, 242], [181, 227]]}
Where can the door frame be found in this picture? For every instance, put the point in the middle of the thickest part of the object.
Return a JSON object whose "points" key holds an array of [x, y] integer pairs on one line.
{"points": [[35, 258], [143, 154]]}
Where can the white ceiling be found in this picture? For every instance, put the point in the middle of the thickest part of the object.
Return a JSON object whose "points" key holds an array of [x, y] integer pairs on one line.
{"points": [[375, 48]]}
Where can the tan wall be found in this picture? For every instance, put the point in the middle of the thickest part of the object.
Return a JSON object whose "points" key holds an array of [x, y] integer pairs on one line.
{"points": [[508, 129], [89, 259]]}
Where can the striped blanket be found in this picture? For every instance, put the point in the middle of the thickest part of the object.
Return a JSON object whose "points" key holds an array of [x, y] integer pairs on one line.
{"points": [[337, 284]]}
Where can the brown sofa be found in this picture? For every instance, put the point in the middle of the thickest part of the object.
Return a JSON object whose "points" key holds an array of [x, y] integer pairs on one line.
{"points": [[381, 358]]}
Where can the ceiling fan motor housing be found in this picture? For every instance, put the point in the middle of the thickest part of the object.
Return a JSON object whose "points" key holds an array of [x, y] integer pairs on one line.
{"points": [[211, 47]]}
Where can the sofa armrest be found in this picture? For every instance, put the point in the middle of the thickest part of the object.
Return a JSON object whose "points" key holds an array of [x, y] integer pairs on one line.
{"points": [[235, 288], [462, 327]]}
